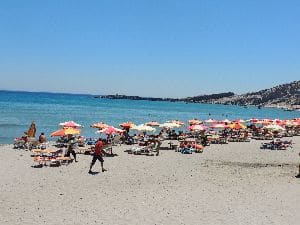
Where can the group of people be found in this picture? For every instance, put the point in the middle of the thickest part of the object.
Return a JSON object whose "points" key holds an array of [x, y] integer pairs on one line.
{"points": [[186, 147], [98, 153]]}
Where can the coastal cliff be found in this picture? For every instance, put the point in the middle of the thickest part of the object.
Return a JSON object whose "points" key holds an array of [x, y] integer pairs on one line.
{"points": [[285, 96]]}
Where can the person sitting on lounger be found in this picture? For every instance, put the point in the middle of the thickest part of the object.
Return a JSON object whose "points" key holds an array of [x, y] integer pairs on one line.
{"points": [[42, 138], [98, 155]]}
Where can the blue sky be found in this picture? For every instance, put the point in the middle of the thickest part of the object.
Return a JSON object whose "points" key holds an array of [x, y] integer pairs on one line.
{"points": [[167, 48]]}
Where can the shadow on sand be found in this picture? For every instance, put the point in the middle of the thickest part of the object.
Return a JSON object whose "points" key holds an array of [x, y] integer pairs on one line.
{"points": [[94, 173]]}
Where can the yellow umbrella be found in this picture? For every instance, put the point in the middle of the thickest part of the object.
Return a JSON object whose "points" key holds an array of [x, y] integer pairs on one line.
{"points": [[64, 132], [237, 126]]}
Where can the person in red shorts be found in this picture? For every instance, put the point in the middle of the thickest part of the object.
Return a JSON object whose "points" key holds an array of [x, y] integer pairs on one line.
{"points": [[98, 155]]}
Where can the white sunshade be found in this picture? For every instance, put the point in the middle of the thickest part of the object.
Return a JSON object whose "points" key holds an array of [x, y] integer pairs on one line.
{"points": [[274, 127], [144, 128], [170, 125]]}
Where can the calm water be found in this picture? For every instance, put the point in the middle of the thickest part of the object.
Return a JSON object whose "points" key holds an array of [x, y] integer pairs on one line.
{"points": [[19, 109]]}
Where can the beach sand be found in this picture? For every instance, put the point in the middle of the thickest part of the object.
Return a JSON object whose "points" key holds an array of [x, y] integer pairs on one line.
{"points": [[228, 184]]}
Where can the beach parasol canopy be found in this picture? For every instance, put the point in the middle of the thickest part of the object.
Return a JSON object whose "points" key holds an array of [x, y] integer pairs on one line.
{"points": [[153, 124], [100, 125], [274, 127], [65, 131], [176, 122], [197, 127], [219, 126], [127, 125], [267, 121], [144, 128], [195, 122], [211, 121], [237, 126], [226, 121], [70, 124], [170, 125], [240, 121], [290, 123], [110, 130]]}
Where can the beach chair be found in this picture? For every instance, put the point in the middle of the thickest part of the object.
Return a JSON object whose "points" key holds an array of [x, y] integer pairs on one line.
{"points": [[19, 144], [64, 160], [187, 151], [139, 150], [38, 162], [33, 143]]}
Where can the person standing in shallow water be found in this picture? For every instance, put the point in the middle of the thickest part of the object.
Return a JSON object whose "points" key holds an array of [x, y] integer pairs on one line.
{"points": [[98, 155]]}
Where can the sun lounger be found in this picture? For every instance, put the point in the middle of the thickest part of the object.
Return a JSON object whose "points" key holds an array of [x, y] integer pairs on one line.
{"points": [[64, 160], [19, 144]]}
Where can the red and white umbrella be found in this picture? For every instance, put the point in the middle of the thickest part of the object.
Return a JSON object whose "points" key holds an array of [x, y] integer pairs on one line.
{"points": [[253, 120], [211, 121], [153, 124], [70, 124], [219, 126], [180, 123], [127, 125], [197, 127], [226, 121], [110, 130], [240, 121]]}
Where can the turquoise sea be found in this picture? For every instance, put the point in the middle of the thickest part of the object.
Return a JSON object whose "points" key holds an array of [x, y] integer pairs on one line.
{"points": [[19, 109]]}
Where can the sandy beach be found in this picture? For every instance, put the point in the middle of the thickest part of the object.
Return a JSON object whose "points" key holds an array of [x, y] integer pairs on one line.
{"points": [[237, 183]]}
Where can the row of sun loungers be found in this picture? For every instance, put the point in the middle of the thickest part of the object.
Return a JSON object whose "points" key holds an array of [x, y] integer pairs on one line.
{"points": [[49, 157]]}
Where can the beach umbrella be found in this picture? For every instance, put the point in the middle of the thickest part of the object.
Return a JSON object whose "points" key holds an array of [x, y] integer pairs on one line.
{"points": [[176, 122], [211, 121], [100, 125], [127, 125], [144, 128], [219, 126], [253, 120], [195, 122], [197, 127], [110, 130], [226, 121], [170, 125], [267, 121], [70, 124], [152, 124], [278, 121], [274, 127], [240, 121], [237, 126], [65, 131]]}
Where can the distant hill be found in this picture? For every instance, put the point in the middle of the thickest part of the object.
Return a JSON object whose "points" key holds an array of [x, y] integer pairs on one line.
{"points": [[208, 98], [283, 96], [286, 96]]}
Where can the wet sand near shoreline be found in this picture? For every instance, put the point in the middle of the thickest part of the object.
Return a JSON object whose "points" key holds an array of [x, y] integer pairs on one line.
{"points": [[236, 183]]}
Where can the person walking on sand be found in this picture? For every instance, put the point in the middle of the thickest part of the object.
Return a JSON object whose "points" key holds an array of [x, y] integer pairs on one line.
{"points": [[71, 151], [98, 155]]}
